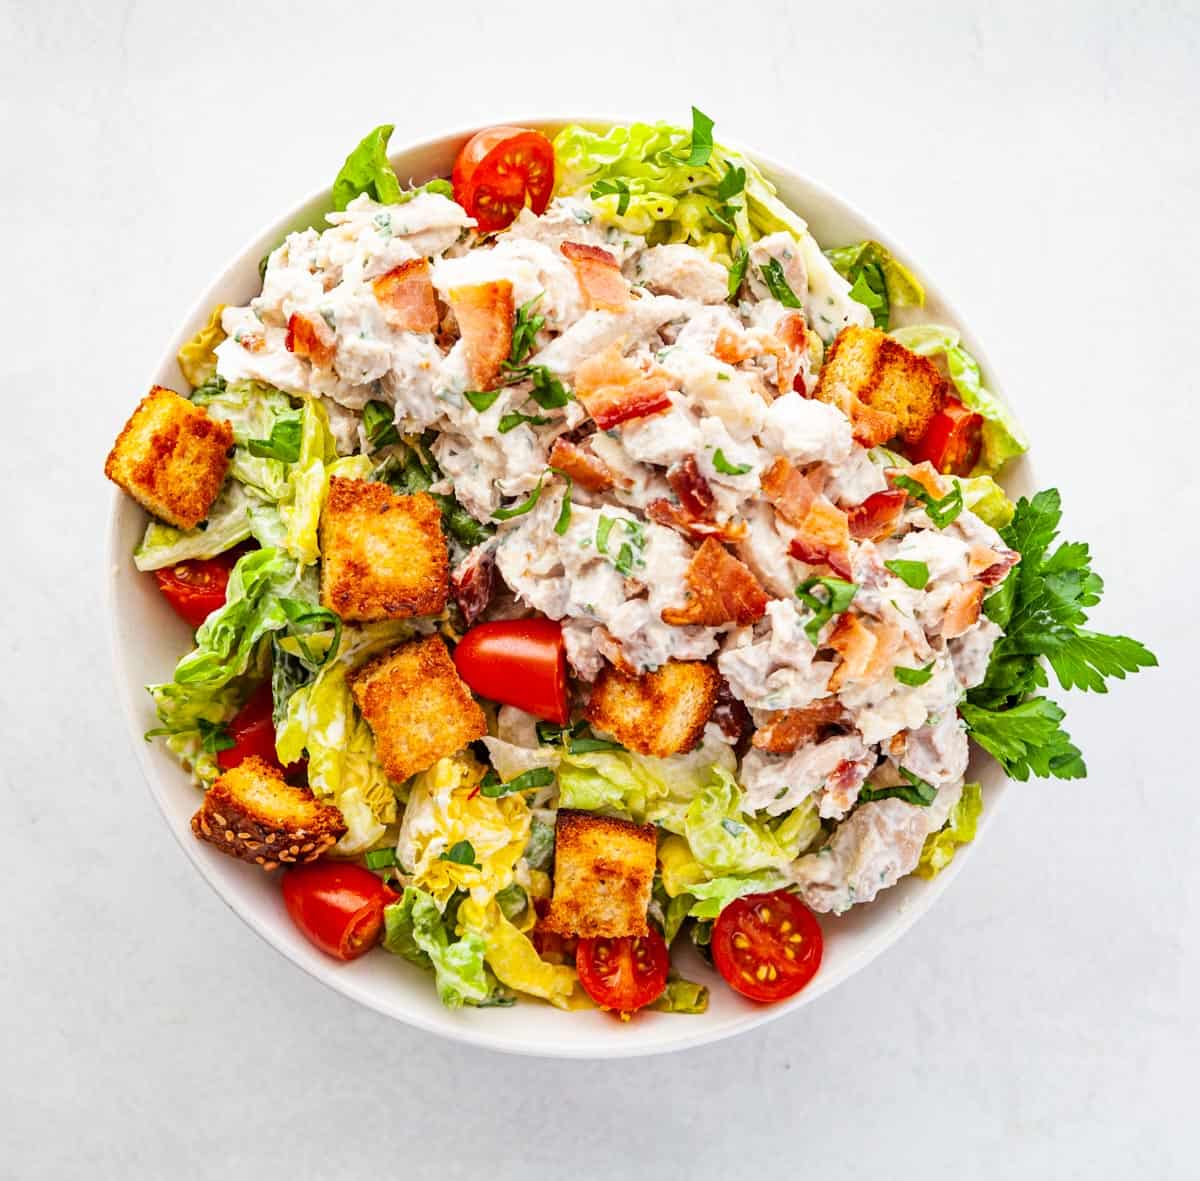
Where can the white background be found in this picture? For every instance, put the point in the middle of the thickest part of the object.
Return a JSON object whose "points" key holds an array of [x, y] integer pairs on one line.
{"points": [[1040, 161]]}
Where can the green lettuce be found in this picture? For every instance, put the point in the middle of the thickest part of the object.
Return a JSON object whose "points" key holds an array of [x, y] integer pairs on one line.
{"points": [[228, 525], [681, 996], [254, 411], [959, 829], [725, 841], [877, 279], [1003, 438], [367, 170], [320, 718], [711, 897], [198, 357], [987, 500], [188, 717], [414, 928]]}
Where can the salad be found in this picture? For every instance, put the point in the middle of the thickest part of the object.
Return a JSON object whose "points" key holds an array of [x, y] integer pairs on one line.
{"points": [[582, 560]]}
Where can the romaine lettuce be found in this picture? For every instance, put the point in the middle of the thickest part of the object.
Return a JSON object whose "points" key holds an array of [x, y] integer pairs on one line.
{"points": [[1003, 438], [253, 410], [681, 996], [710, 898], [959, 829], [197, 358], [877, 279], [228, 525], [987, 500], [414, 929]]}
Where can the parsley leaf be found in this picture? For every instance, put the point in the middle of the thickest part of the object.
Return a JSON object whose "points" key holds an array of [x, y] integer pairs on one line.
{"points": [[732, 183], [564, 513], [839, 595], [737, 272], [702, 139], [941, 512], [378, 422], [519, 510], [616, 185], [526, 326], [914, 574], [725, 467], [870, 289], [773, 277], [1042, 606]]}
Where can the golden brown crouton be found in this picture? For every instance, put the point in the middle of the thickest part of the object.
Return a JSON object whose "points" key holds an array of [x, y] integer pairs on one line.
{"points": [[883, 389], [417, 706], [603, 871], [383, 554], [171, 457], [251, 813], [658, 713]]}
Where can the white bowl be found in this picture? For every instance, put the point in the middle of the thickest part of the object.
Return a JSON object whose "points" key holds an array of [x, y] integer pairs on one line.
{"points": [[148, 639]]}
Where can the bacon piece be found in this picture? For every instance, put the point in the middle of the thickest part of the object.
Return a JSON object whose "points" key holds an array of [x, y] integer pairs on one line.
{"points": [[962, 611], [990, 566], [732, 347], [924, 474], [485, 318], [720, 590], [791, 729], [878, 516], [730, 714], [252, 342], [823, 531], [587, 470], [613, 389], [406, 294], [306, 340], [604, 288], [691, 487], [789, 491], [676, 517], [866, 649], [472, 582]]}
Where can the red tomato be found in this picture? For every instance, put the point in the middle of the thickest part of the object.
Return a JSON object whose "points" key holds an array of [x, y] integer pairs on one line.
{"points": [[952, 440], [767, 946], [623, 974], [498, 170], [253, 732], [520, 662], [196, 589], [337, 905]]}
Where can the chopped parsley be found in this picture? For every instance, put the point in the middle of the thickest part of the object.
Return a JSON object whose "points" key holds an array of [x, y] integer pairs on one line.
{"points": [[629, 555], [564, 513], [726, 468], [914, 574], [913, 676], [838, 596], [519, 510], [493, 788], [777, 284], [481, 400], [379, 425], [941, 512], [603, 188]]}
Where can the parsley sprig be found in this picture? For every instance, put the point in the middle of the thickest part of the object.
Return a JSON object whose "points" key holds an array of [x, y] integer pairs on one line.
{"points": [[548, 392], [941, 512], [1042, 607]]}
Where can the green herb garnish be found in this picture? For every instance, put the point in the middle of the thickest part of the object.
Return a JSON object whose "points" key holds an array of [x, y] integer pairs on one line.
{"points": [[914, 574], [481, 400], [379, 424], [507, 514], [838, 596], [462, 853], [527, 780], [940, 512], [914, 676], [916, 791], [380, 858], [284, 442], [564, 513], [702, 139], [726, 468], [737, 272], [773, 277], [603, 188], [214, 736], [514, 418]]}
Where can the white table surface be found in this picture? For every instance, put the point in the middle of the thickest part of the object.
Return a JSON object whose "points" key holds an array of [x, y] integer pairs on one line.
{"points": [[1041, 1022]]}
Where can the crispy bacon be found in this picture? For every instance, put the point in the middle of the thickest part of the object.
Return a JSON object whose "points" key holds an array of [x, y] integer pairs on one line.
{"points": [[990, 566], [730, 714], [675, 516], [691, 487], [599, 274], [791, 729], [732, 347], [472, 582], [720, 590], [789, 491], [924, 474], [878, 516], [866, 648], [587, 470], [306, 340], [962, 611], [613, 389], [824, 538], [406, 294], [252, 342], [485, 318]]}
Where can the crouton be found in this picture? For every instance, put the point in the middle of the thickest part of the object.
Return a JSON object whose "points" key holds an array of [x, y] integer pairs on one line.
{"points": [[883, 389], [253, 814], [383, 554], [171, 457], [417, 706], [603, 871], [660, 713]]}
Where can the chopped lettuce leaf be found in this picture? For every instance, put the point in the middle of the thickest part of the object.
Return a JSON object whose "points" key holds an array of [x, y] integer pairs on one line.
{"points": [[321, 719], [228, 525], [514, 959], [959, 829], [987, 500], [414, 929], [710, 898], [679, 868], [681, 996], [185, 712], [252, 409], [367, 170], [198, 358], [878, 280], [1003, 438], [444, 810]]}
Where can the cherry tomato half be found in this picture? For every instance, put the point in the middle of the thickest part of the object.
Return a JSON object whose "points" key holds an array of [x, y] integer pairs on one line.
{"points": [[521, 662], [952, 440], [767, 946], [197, 588], [337, 905], [498, 170], [623, 974]]}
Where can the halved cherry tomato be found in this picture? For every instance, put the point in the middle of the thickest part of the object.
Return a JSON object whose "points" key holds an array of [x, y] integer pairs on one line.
{"points": [[623, 974], [498, 170], [253, 732], [337, 905], [952, 440], [767, 946], [521, 662], [197, 588]]}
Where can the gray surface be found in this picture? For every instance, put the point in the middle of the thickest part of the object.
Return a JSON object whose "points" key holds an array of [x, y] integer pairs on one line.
{"points": [[1041, 1022]]}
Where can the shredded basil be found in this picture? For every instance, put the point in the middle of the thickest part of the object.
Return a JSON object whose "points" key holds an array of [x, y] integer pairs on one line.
{"points": [[519, 510], [737, 272], [917, 791], [702, 139], [462, 853], [526, 781], [481, 400], [284, 442], [940, 512], [773, 277], [839, 596], [914, 574]]}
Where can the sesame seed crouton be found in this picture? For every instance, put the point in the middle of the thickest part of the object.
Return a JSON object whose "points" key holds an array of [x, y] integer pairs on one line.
{"points": [[603, 871], [383, 554], [883, 389], [417, 706], [171, 457], [659, 713], [253, 814]]}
